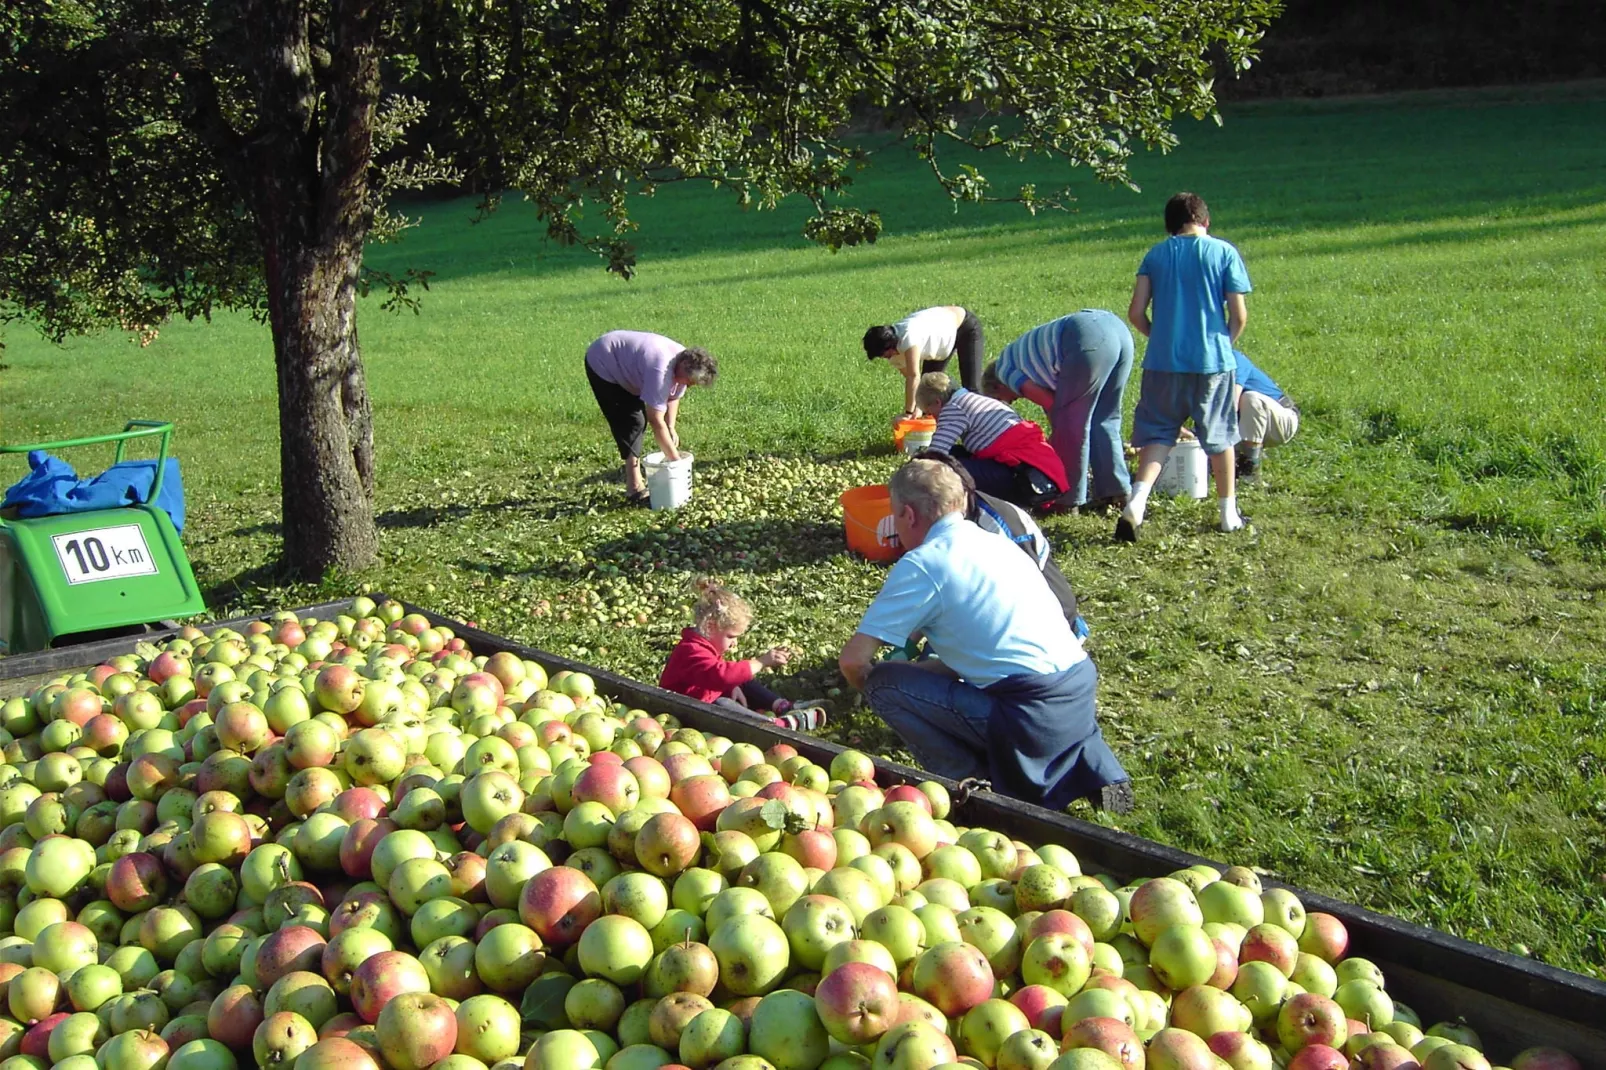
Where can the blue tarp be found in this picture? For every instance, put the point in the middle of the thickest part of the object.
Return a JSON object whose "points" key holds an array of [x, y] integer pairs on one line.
{"points": [[53, 488]]}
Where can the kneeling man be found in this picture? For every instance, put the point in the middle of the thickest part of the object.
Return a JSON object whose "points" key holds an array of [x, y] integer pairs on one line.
{"points": [[1010, 695]]}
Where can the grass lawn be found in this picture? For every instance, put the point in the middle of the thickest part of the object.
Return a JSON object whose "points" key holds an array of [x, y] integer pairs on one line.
{"points": [[1391, 692]]}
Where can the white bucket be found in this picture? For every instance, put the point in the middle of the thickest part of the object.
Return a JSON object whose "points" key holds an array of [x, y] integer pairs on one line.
{"points": [[1186, 472], [915, 441], [668, 482]]}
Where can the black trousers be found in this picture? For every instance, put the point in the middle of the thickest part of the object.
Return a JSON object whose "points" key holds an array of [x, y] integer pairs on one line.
{"points": [[758, 696], [626, 415], [969, 347]]}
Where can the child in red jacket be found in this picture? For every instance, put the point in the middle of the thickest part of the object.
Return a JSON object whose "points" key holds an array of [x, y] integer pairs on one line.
{"points": [[697, 666]]}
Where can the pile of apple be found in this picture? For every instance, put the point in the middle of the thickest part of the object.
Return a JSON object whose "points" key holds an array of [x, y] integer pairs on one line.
{"points": [[351, 844]]}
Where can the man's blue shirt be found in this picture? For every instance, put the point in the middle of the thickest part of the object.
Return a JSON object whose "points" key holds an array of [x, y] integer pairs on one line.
{"points": [[981, 603], [1191, 277]]}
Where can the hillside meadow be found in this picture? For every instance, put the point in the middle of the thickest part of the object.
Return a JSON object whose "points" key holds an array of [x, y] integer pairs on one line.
{"points": [[1389, 691]]}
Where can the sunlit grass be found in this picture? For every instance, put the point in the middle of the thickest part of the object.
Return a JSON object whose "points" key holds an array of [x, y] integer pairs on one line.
{"points": [[1390, 692]]}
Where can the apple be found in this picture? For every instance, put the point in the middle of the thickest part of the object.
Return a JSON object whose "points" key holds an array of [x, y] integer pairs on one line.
{"points": [[1283, 909], [339, 689], [986, 1026], [953, 977], [1241, 1051], [1318, 1057], [1222, 902], [1056, 960], [136, 882], [559, 903], [753, 953], [1544, 1058], [510, 956], [1455, 1056], [1206, 1011], [616, 948], [813, 925], [1178, 1049], [1029, 1049], [1270, 942], [233, 1017], [896, 928], [857, 1002], [416, 1030], [687, 966], [1324, 936], [670, 1016], [382, 978], [1385, 1057], [1182, 955], [1307, 1018], [785, 1029], [1161, 903], [666, 844], [1114, 1038], [487, 1029], [1366, 1002], [1043, 1006], [373, 756], [295, 947]]}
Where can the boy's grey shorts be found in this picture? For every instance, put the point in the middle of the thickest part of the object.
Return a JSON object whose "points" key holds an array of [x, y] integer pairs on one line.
{"points": [[1168, 399]]}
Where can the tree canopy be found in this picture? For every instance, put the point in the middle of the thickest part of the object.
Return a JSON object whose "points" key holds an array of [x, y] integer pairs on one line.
{"points": [[171, 158]]}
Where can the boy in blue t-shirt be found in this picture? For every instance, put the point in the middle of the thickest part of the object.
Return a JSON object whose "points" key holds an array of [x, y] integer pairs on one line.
{"points": [[1196, 286]]}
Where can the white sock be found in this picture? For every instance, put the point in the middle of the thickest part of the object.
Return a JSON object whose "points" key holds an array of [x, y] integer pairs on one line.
{"points": [[1136, 502], [1230, 520]]}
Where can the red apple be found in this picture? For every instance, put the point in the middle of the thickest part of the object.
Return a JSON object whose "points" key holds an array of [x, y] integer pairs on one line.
{"points": [[559, 903], [382, 978]]}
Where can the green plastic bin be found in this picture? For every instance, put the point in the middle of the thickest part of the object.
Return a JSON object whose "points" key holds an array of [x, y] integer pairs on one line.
{"points": [[93, 573]]}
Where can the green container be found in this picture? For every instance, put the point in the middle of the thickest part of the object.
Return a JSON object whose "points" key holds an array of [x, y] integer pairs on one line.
{"points": [[86, 574]]}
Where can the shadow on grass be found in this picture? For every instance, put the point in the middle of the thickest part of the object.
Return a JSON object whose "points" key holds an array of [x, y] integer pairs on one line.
{"points": [[1271, 169], [1475, 231], [250, 582]]}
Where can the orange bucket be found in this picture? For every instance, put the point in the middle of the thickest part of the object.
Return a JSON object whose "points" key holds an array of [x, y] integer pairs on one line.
{"points": [[862, 509], [923, 424]]}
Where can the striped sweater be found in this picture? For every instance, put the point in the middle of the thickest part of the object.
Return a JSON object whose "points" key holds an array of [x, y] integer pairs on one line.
{"points": [[1033, 357], [975, 418]]}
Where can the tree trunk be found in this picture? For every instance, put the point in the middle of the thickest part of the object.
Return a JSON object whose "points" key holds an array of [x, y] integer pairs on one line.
{"points": [[325, 420], [310, 156]]}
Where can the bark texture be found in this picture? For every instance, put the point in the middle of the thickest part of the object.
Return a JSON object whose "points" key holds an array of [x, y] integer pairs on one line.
{"points": [[309, 178]]}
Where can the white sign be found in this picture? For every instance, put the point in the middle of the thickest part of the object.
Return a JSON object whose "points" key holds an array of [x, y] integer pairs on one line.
{"points": [[104, 554]]}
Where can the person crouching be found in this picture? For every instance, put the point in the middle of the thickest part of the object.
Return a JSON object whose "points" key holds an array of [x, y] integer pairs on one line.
{"points": [[1010, 695], [698, 667], [1005, 454]]}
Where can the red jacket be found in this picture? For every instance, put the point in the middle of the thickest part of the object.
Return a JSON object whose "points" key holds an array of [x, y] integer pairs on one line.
{"points": [[1023, 444], [697, 669]]}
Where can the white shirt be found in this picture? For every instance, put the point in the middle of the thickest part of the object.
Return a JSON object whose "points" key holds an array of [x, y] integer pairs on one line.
{"points": [[929, 334]]}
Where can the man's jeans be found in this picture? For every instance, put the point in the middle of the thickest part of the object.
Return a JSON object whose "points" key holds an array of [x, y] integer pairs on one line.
{"points": [[1096, 355], [942, 720]]}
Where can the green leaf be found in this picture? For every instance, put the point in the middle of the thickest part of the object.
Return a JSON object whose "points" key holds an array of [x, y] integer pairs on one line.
{"points": [[774, 812], [542, 1005]]}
